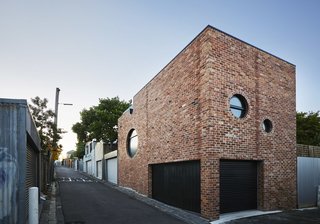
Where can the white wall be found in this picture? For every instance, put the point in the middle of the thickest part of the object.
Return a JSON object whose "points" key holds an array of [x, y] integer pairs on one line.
{"points": [[99, 151]]}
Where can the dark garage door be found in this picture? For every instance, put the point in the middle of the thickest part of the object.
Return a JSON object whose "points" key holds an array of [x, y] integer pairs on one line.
{"points": [[238, 185], [177, 184]]}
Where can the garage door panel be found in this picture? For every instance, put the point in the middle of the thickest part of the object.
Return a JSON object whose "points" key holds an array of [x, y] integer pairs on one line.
{"points": [[112, 170], [99, 169], [238, 185], [177, 184]]}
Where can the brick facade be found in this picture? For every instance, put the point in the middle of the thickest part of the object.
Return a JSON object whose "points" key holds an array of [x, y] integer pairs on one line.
{"points": [[183, 113]]}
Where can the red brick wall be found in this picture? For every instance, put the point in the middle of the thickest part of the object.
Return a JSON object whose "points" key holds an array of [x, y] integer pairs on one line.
{"points": [[183, 114]]}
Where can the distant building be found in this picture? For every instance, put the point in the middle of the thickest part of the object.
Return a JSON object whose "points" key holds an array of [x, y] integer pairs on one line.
{"points": [[70, 153], [89, 157], [69, 161], [214, 131], [100, 160]]}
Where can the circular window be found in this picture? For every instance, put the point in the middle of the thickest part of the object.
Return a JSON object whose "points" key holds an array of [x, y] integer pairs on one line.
{"points": [[132, 143], [238, 106], [267, 125]]}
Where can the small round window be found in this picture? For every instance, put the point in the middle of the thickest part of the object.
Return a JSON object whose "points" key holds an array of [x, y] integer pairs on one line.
{"points": [[132, 143], [267, 125], [238, 106]]}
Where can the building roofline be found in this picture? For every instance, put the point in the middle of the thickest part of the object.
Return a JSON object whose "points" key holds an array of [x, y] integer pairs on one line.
{"points": [[214, 28], [13, 101], [196, 37]]}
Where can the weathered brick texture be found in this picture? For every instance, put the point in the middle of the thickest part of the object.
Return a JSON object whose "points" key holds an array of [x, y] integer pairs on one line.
{"points": [[183, 114]]}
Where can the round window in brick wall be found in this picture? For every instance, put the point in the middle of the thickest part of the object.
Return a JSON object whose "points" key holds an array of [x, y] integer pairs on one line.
{"points": [[238, 106], [267, 125], [132, 142]]}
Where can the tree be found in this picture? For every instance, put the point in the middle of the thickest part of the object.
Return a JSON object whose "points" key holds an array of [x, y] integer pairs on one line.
{"points": [[80, 146], [99, 122], [44, 121], [308, 128]]}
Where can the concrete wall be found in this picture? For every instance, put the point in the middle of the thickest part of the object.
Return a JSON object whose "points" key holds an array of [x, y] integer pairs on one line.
{"points": [[99, 153], [99, 161], [18, 133], [183, 113]]}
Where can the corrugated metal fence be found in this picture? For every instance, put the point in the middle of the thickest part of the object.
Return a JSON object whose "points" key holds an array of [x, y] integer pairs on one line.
{"points": [[19, 156], [308, 181]]}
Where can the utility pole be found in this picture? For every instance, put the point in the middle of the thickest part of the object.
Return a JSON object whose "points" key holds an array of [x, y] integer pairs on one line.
{"points": [[56, 110], [56, 107], [54, 150]]}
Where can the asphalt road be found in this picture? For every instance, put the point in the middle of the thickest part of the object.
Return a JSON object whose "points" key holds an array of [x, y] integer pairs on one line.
{"points": [[85, 200]]}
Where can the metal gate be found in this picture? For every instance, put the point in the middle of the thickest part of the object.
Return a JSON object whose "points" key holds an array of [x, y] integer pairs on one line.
{"points": [[99, 169], [238, 185], [112, 170], [89, 167], [31, 173], [177, 184], [308, 181]]}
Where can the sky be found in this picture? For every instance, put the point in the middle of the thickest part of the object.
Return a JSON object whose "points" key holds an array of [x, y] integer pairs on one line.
{"points": [[94, 49]]}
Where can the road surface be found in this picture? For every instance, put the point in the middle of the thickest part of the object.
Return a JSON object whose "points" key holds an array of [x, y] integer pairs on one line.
{"points": [[85, 200]]}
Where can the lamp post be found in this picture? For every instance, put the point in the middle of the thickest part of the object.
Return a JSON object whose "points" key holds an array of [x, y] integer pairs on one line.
{"points": [[55, 140], [57, 107]]}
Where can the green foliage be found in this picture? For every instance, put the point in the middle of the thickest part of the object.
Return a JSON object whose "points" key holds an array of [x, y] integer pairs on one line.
{"points": [[80, 150], [308, 128], [44, 121], [99, 121], [73, 155]]}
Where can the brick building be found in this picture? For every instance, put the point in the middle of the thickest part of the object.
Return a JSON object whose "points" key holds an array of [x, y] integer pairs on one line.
{"points": [[214, 130]]}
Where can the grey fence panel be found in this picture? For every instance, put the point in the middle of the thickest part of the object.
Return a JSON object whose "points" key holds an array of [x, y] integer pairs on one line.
{"points": [[80, 165], [17, 134], [308, 181]]}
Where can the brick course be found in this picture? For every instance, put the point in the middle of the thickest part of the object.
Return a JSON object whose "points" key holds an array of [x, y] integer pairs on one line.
{"points": [[183, 114]]}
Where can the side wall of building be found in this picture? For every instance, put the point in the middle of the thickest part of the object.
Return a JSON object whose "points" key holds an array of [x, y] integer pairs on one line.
{"points": [[19, 159], [268, 84], [163, 114], [183, 114]]}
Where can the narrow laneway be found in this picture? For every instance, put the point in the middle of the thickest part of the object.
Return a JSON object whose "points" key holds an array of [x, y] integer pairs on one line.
{"points": [[85, 200]]}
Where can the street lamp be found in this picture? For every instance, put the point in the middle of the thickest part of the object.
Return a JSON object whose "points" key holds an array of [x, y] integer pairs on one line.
{"points": [[57, 107], [55, 140]]}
